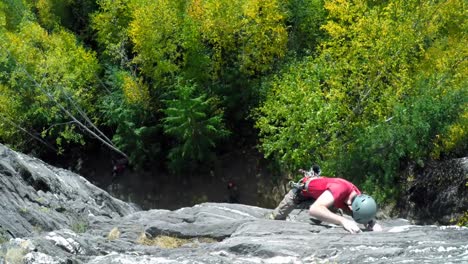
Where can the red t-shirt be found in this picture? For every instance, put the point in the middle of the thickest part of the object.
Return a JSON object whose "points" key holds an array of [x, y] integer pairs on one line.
{"points": [[339, 188]]}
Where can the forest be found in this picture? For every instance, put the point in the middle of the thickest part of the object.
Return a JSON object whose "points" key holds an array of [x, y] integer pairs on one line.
{"points": [[364, 88]]}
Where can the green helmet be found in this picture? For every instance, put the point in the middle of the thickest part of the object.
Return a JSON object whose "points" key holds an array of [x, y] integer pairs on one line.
{"points": [[364, 208]]}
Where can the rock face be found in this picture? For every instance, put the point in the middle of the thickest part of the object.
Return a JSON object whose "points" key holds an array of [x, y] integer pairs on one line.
{"points": [[437, 193], [36, 197], [49, 215]]}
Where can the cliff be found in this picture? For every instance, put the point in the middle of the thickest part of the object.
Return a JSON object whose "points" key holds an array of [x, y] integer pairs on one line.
{"points": [[50, 215]]}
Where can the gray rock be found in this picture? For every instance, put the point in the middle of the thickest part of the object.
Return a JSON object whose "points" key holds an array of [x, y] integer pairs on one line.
{"points": [[436, 193], [35, 196], [42, 208]]}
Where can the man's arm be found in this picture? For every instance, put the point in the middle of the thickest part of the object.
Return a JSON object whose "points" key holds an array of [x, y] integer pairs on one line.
{"points": [[319, 209]]}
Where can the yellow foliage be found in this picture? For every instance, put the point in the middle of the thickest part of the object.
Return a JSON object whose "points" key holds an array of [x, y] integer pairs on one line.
{"points": [[45, 65], [344, 10], [334, 29], [220, 23], [135, 91], [455, 136], [159, 37], [265, 35], [463, 221], [254, 30], [45, 14]]}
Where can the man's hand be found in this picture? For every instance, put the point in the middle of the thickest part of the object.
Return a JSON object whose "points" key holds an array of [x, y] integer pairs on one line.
{"points": [[350, 226], [319, 210]]}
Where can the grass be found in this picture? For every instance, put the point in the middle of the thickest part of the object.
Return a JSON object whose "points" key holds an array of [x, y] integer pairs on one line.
{"points": [[172, 242], [113, 234]]}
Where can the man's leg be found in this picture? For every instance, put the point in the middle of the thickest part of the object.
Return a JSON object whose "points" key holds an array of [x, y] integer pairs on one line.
{"points": [[289, 202]]}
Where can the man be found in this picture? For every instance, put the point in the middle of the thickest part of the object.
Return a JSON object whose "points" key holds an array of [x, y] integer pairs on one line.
{"points": [[118, 167], [233, 192], [330, 193]]}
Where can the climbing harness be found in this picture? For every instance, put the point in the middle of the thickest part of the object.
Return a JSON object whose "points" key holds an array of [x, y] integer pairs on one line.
{"points": [[303, 184]]}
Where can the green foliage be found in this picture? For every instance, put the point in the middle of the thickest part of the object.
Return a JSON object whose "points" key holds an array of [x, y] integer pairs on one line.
{"points": [[71, 14], [41, 73], [416, 123], [195, 123], [52, 13], [111, 23], [127, 109], [463, 221], [293, 117], [12, 13], [79, 226], [361, 87], [305, 18]]}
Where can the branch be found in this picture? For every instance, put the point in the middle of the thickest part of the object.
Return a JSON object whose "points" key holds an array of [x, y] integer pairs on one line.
{"points": [[59, 124], [29, 133], [81, 112], [108, 144]]}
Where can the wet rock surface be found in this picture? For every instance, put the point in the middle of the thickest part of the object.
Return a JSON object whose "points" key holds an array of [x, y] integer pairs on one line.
{"points": [[75, 222]]}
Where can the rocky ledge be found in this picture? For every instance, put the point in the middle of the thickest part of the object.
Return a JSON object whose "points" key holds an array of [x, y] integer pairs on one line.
{"points": [[49, 215]]}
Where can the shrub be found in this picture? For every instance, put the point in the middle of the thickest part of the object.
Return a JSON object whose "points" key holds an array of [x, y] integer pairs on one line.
{"points": [[79, 226], [113, 234]]}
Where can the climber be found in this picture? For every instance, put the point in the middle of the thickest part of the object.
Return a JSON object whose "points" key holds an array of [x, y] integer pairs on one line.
{"points": [[118, 167], [330, 194], [233, 192]]}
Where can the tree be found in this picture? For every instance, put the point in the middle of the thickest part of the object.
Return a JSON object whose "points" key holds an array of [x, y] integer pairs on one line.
{"points": [[250, 34], [195, 123], [130, 114], [166, 42], [304, 21], [111, 23]]}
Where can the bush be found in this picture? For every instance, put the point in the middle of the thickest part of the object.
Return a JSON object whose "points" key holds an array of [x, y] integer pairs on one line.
{"points": [[79, 226]]}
